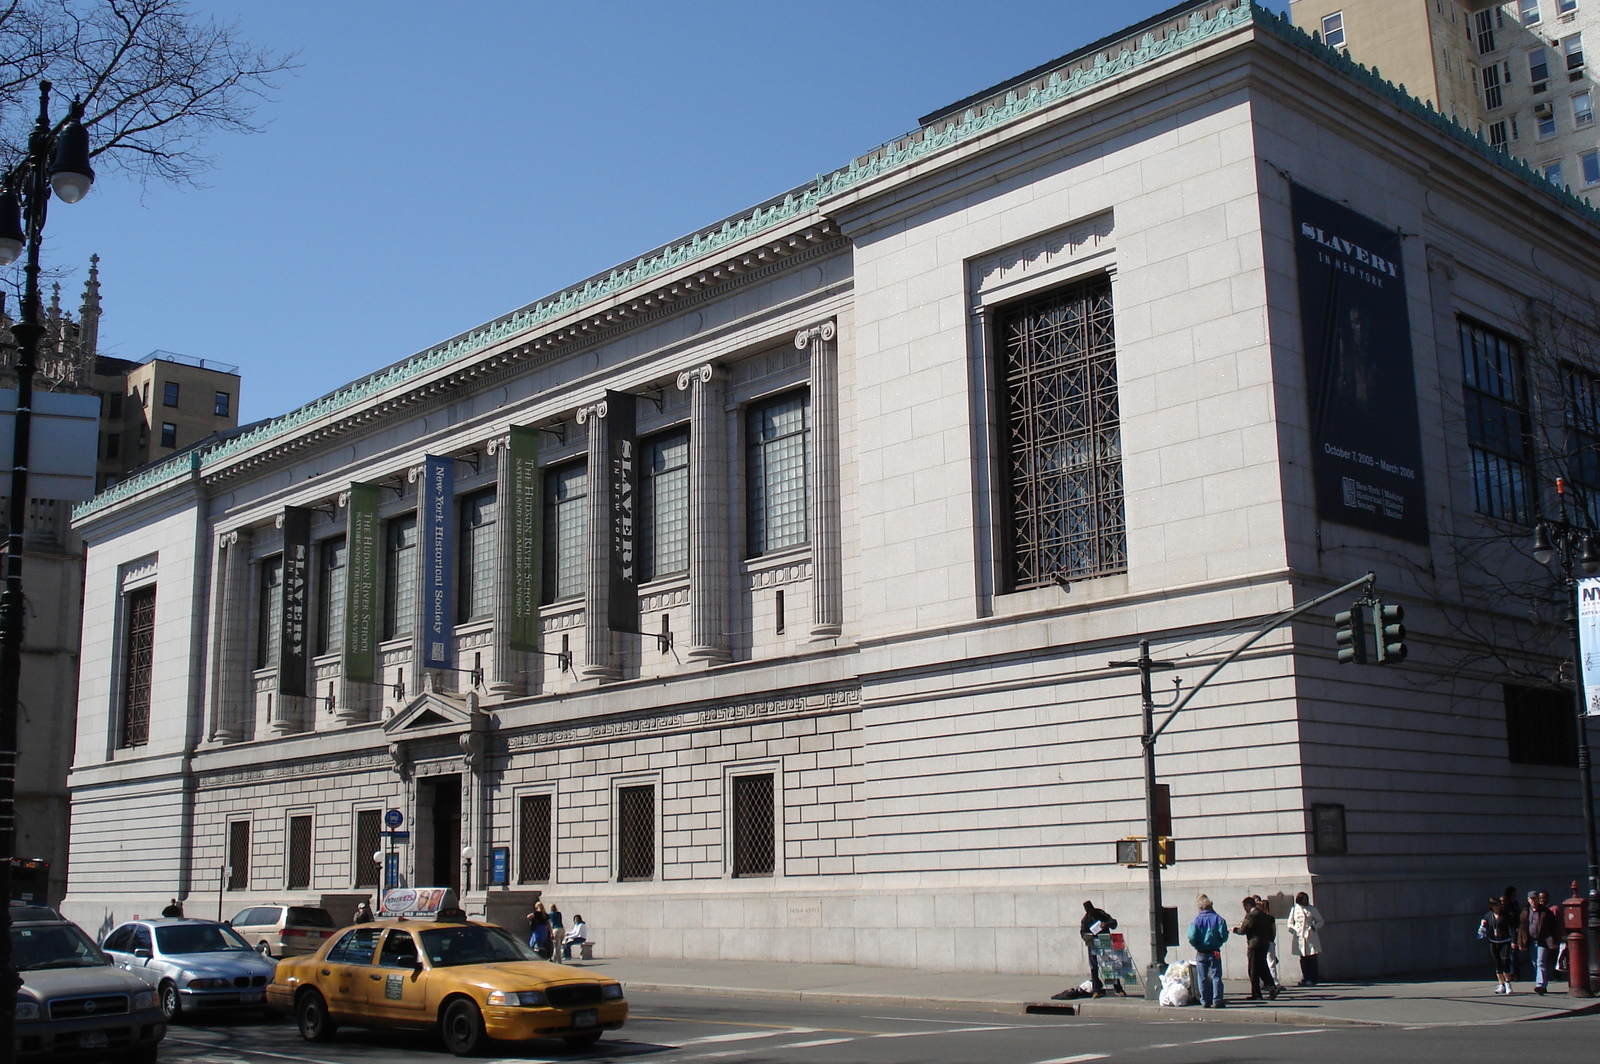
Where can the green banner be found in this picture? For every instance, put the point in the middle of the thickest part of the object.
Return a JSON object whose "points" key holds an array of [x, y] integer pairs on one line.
{"points": [[361, 586], [526, 540]]}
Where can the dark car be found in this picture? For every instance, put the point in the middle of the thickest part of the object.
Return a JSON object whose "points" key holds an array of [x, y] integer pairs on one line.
{"points": [[193, 964], [73, 1000]]}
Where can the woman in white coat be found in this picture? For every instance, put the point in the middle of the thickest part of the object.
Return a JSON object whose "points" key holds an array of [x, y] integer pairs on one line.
{"points": [[1304, 923]]}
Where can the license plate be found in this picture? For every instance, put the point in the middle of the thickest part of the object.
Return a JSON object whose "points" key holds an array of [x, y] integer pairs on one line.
{"points": [[586, 1018], [254, 997], [92, 1040]]}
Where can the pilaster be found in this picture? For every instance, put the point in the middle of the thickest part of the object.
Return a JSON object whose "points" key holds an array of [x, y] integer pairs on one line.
{"points": [[507, 668], [710, 583], [599, 651], [827, 597], [230, 678]]}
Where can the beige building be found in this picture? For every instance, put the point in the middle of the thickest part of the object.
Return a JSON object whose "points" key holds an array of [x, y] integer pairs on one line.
{"points": [[1515, 72], [164, 404]]}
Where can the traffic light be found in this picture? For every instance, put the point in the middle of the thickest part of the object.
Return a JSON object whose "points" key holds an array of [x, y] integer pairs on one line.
{"points": [[1391, 634], [1351, 637]]}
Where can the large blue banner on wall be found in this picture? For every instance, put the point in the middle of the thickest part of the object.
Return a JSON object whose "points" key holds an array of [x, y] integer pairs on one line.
{"points": [[1367, 446], [435, 510]]}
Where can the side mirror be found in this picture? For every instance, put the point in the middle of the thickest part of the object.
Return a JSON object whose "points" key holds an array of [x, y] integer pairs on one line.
{"points": [[142, 953], [416, 966], [227, 923]]}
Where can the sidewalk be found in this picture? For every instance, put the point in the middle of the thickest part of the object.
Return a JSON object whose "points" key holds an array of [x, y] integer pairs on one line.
{"points": [[1449, 998]]}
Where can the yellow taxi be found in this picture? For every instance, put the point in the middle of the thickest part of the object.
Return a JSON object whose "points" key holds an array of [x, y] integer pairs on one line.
{"points": [[473, 982]]}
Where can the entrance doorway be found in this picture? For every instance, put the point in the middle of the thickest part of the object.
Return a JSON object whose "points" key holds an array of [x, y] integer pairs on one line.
{"points": [[439, 802]]}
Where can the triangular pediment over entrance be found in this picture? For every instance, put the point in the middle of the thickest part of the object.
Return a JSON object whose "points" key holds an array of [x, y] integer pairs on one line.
{"points": [[432, 713]]}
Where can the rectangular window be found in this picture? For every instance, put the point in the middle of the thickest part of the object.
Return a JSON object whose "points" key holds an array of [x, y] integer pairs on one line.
{"points": [[664, 505], [1530, 12], [330, 607], [169, 434], [1491, 86], [534, 836], [169, 394], [566, 530], [1573, 47], [1590, 162], [636, 833], [475, 554], [1333, 29], [1497, 135], [238, 855], [1062, 436], [400, 577], [116, 405], [778, 460], [1541, 727], [1552, 174], [1499, 437], [299, 874], [1546, 122], [1538, 67], [269, 613], [368, 842], [1485, 32], [1566, 7], [1580, 392], [113, 444], [139, 607], [752, 825], [1582, 110], [220, 404]]}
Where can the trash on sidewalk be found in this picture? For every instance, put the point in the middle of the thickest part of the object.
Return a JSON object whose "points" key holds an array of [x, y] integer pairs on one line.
{"points": [[1177, 985], [1073, 993]]}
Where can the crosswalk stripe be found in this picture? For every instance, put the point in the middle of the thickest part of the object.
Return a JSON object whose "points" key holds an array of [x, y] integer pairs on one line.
{"points": [[1079, 1059]]}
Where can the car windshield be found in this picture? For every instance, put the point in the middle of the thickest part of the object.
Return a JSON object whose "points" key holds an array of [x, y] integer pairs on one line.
{"points": [[197, 938], [472, 944], [309, 918], [57, 946]]}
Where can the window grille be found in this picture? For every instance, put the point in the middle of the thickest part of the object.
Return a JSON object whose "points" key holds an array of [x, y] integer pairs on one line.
{"points": [[1498, 427], [140, 607], [752, 825], [330, 610], [533, 831], [636, 833], [475, 588], [269, 613], [368, 841], [566, 530], [400, 578], [299, 876], [1064, 436], [238, 854], [664, 506], [1541, 727], [778, 468]]}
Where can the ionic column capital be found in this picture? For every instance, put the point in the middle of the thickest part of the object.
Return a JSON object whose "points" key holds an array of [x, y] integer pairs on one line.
{"points": [[701, 374], [596, 410], [822, 332]]}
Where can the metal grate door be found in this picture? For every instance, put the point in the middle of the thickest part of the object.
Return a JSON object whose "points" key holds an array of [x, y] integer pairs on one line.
{"points": [[141, 607], [299, 877], [636, 833], [368, 824], [533, 858], [752, 825]]}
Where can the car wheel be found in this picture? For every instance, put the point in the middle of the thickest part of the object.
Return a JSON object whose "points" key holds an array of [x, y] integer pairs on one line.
{"points": [[311, 1012], [171, 1001], [263, 949], [582, 1041], [463, 1028]]}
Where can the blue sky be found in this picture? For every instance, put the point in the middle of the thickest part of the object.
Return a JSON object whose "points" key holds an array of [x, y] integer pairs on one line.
{"points": [[431, 166]]}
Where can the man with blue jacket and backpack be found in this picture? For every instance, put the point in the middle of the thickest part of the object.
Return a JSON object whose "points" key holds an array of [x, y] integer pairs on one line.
{"points": [[1207, 934]]}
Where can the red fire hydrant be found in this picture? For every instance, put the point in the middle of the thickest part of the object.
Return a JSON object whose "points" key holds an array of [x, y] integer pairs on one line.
{"points": [[1572, 913]]}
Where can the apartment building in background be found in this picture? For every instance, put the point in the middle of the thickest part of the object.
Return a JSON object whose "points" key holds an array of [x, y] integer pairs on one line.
{"points": [[1516, 72]]}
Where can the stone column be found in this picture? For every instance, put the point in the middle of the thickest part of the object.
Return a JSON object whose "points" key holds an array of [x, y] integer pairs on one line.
{"points": [[352, 701], [599, 653], [827, 599], [507, 668], [231, 688], [709, 582]]}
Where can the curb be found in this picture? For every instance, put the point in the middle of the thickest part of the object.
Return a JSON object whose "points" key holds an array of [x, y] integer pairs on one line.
{"points": [[1010, 1008]]}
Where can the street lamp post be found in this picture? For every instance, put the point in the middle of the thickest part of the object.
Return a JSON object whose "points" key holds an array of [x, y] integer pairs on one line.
{"points": [[1574, 546], [57, 161]]}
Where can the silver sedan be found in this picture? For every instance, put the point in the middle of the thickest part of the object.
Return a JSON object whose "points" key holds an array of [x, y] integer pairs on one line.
{"points": [[193, 964]]}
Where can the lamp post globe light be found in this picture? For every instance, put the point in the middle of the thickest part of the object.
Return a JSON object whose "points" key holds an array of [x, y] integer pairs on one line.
{"points": [[57, 161], [1574, 548]]}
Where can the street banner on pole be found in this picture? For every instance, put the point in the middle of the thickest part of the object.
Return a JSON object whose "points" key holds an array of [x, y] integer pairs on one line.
{"points": [[1589, 643], [622, 416], [361, 585], [438, 494], [527, 537], [292, 659]]}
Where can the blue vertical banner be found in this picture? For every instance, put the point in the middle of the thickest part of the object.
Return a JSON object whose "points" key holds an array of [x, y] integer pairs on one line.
{"points": [[434, 513], [1589, 644]]}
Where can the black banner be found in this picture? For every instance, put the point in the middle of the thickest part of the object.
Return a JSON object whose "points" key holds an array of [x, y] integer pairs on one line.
{"points": [[524, 509], [292, 657], [1365, 438], [622, 418], [361, 585]]}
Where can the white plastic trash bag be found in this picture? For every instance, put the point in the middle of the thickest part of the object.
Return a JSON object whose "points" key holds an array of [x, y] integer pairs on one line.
{"points": [[1177, 985]]}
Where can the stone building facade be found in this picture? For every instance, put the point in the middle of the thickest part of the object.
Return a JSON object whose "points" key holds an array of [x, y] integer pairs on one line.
{"points": [[924, 445]]}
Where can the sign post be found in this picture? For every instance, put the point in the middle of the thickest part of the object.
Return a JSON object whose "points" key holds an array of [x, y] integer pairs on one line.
{"points": [[391, 863]]}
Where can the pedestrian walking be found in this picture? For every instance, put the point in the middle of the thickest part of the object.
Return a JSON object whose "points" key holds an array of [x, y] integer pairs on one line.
{"points": [[1272, 950], [1207, 932], [1096, 922], [1303, 924], [1499, 929], [363, 913], [576, 937], [1259, 931], [539, 930], [557, 931], [1514, 910], [1544, 936]]}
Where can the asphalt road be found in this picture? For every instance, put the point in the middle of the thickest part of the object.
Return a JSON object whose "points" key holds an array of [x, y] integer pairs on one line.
{"points": [[680, 1029]]}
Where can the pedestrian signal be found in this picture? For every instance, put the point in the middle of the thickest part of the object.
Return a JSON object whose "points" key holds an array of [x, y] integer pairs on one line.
{"points": [[1351, 637], [1391, 634]]}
